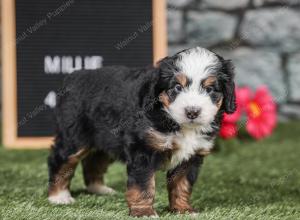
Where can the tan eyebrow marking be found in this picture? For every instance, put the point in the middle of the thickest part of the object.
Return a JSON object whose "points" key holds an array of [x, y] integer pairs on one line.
{"points": [[182, 79], [209, 81], [164, 98]]}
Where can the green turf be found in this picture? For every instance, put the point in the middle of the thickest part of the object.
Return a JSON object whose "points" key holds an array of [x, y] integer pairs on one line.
{"points": [[244, 180]]}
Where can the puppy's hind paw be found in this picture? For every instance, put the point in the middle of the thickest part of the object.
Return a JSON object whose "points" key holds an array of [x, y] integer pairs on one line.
{"points": [[99, 189], [61, 198]]}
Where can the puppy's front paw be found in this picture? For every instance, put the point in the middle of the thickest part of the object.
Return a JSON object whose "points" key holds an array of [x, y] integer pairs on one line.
{"points": [[62, 198], [184, 210], [143, 211]]}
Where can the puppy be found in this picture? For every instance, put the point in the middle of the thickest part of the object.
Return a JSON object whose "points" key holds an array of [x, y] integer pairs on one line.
{"points": [[163, 117]]}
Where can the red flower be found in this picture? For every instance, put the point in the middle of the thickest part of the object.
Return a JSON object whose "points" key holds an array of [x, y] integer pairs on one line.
{"points": [[243, 96], [228, 130], [261, 111], [242, 99]]}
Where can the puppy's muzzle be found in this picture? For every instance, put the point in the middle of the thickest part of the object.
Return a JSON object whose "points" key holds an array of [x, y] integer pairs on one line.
{"points": [[192, 112]]}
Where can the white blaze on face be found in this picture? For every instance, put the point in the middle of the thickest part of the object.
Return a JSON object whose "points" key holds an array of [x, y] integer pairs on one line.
{"points": [[192, 98], [197, 64]]}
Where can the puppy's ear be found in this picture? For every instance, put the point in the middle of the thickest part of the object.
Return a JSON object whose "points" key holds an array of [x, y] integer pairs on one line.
{"points": [[167, 66], [166, 69], [228, 87]]}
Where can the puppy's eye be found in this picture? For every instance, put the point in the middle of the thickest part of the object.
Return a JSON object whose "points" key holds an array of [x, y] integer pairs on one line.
{"points": [[178, 88], [209, 89]]}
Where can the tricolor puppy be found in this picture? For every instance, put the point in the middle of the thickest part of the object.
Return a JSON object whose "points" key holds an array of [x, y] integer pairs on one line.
{"points": [[163, 117]]}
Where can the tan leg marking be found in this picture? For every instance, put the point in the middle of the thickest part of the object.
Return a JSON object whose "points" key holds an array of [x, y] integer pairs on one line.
{"points": [[58, 191], [179, 190], [140, 202], [94, 168]]}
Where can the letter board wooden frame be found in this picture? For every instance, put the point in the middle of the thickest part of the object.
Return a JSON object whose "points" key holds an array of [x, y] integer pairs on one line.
{"points": [[42, 41]]}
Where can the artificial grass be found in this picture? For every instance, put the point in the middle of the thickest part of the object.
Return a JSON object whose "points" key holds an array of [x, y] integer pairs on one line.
{"points": [[245, 179]]}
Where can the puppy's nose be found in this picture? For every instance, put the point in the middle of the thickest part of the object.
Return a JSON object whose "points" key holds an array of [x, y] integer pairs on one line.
{"points": [[192, 112]]}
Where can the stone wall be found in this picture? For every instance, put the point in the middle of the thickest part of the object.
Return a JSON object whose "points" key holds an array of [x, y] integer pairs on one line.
{"points": [[262, 37]]}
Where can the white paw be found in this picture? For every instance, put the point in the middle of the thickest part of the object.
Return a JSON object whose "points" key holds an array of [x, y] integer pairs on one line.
{"points": [[62, 197], [194, 215], [154, 216], [100, 189]]}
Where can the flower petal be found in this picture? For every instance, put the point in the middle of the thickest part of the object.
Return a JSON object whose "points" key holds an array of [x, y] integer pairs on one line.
{"points": [[243, 96], [228, 130]]}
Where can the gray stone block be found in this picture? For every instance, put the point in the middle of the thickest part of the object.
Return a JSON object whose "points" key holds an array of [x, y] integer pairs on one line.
{"points": [[175, 26], [255, 68], [209, 28], [277, 28], [290, 111], [173, 49], [294, 79], [221, 4], [179, 3], [283, 2]]}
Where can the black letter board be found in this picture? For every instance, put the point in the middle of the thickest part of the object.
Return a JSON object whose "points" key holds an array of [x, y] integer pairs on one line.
{"points": [[45, 40]]}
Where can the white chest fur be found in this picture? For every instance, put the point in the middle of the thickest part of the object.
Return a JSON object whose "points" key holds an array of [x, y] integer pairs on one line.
{"points": [[189, 141]]}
